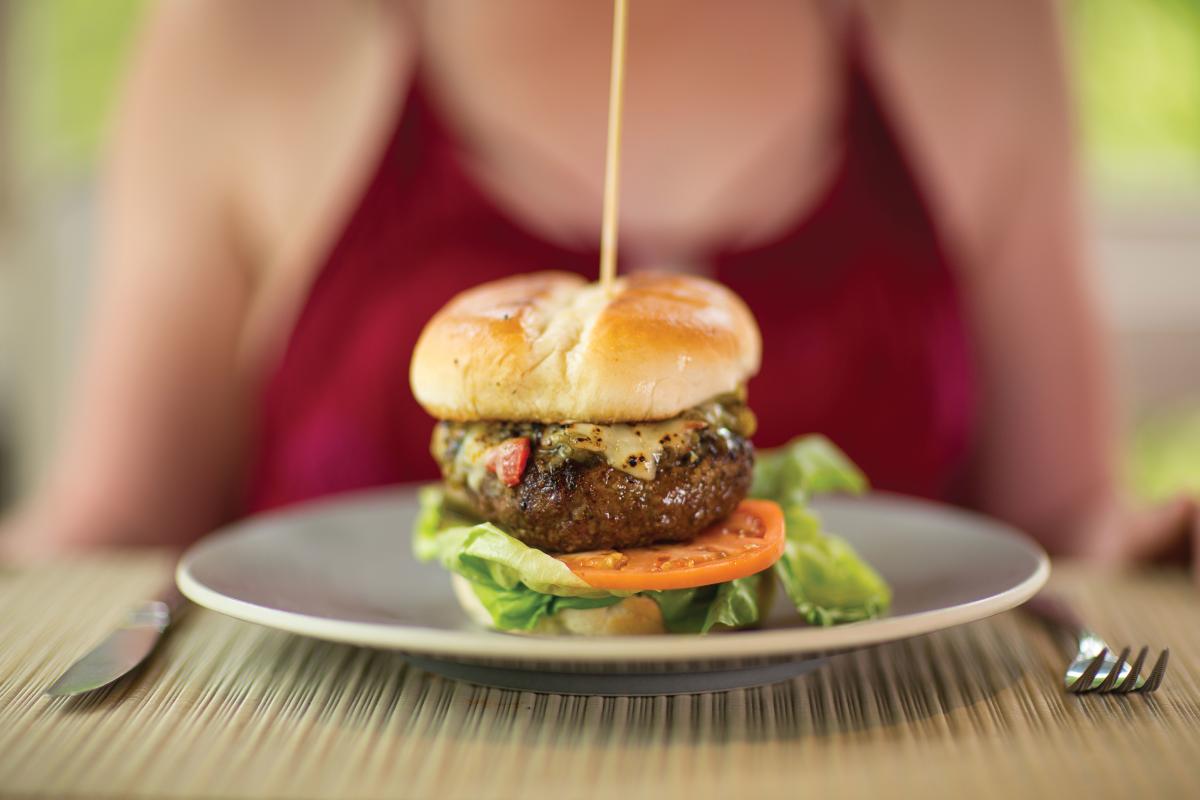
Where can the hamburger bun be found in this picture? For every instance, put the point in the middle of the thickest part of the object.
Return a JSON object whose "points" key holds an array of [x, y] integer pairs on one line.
{"points": [[550, 347]]}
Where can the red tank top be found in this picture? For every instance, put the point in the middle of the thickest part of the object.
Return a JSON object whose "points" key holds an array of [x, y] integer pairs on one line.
{"points": [[863, 338]]}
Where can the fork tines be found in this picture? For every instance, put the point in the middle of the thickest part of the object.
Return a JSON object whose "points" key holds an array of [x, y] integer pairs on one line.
{"points": [[1084, 682], [1156, 674], [1130, 683], [1109, 680]]}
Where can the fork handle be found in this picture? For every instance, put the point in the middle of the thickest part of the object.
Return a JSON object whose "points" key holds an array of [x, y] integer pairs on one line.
{"points": [[1054, 610]]}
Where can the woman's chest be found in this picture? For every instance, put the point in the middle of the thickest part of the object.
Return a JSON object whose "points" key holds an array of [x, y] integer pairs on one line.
{"points": [[732, 130], [731, 114]]}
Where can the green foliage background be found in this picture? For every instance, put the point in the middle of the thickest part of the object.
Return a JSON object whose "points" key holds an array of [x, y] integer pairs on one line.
{"points": [[66, 62], [1137, 72]]}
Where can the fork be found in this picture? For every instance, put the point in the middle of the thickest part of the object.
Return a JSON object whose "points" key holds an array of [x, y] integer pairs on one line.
{"points": [[1094, 667]]}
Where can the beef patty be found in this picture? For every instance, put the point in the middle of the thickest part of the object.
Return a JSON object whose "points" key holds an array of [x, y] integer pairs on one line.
{"points": [[581, 502]]}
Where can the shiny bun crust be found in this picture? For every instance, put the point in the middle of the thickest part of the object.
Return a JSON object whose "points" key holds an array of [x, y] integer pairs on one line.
{"points": [[550, 347]]}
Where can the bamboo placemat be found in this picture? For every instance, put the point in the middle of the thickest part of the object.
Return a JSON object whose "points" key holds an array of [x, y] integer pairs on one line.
{"points": [[228, 709]]}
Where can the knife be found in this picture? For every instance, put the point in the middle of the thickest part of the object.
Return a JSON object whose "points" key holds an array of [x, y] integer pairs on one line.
{"points": [[125, 648]]}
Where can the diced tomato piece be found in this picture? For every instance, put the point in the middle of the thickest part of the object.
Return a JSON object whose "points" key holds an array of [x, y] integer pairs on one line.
{"points": [[507, 460]]}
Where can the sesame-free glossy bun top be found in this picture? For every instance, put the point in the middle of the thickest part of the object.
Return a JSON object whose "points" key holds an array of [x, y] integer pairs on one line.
{"points": [[551, 347]]}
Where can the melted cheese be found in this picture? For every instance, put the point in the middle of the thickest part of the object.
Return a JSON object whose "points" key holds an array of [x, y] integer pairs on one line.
{"points": [[470, 457], [633, 449]]}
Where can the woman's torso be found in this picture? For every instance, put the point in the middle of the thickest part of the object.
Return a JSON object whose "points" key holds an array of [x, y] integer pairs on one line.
{"points": [[730, 133], [768, 167]]}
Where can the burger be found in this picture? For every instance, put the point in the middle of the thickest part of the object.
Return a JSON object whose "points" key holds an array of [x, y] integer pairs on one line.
{"points": [[597, 467]]}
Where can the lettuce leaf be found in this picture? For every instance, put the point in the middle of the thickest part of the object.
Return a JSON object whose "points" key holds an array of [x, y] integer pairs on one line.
{"points": [[519, 585], [484, 554], [734, 604], [826, 580], [803, 467], [521, 608]]}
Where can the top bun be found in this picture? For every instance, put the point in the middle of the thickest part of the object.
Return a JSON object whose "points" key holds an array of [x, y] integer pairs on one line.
{"points": [[550, 347]]}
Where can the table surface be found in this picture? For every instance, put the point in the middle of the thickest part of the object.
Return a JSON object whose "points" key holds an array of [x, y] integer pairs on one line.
{"points": [[229, 709]]}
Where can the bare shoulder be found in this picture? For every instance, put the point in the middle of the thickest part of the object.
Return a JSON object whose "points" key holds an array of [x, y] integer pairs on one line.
{"points": [[259, 95], [256, 41], [209, 55], [979, 94]]}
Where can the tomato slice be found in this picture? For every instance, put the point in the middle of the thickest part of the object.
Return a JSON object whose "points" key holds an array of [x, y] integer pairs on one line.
{"points": [[749, 540], [508, 459]]}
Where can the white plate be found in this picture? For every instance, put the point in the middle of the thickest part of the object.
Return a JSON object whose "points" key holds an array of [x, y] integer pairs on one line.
{"points": [[343, 570]]}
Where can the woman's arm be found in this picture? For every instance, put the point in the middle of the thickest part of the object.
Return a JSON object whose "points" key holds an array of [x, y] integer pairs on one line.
{"points": [[981, 97], [151, 448], [238, 142]]}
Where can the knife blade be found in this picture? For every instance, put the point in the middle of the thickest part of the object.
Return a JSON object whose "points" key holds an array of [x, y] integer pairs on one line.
{"points": [[124, 649]]}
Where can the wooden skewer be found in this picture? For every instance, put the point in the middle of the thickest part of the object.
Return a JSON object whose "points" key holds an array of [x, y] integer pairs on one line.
{"points": [[612, 163]]}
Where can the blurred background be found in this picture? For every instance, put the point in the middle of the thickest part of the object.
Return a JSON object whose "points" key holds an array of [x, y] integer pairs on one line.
{"points": [[1137, 75]]}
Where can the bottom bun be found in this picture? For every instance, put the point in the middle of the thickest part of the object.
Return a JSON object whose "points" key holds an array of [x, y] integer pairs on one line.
{"points": [[633, 616]]}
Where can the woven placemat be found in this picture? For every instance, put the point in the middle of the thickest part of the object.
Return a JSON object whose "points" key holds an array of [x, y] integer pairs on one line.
{"points": [[228, 709]]}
